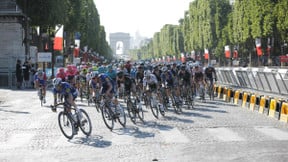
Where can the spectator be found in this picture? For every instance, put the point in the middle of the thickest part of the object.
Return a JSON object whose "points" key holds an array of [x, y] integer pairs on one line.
{"points": [[26, 74], [19, 77]]}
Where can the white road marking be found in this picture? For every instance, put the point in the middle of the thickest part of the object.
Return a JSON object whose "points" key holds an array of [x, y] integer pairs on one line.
{"points": [[174, 136], [275, 133], [18, 140], [224, 134]]}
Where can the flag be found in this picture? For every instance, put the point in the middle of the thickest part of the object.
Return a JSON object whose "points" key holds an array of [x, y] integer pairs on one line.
{"points": [[182, 57], [258, 46], [58, 40], [235, 53], [206, 54], [193, 55], [77, 44], [227, 52]]}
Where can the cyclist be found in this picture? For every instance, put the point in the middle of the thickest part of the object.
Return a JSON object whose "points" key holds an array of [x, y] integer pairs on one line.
{"points": [[40, 79], [93, 85], [198, 78], [129, 83], [61, 74], [151, 81], [185, 78], [168, 82], [69, 93], [209, 73], [112, 74]]}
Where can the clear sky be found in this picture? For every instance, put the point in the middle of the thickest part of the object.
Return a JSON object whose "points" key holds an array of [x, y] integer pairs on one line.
{"points": [[145, 16]]}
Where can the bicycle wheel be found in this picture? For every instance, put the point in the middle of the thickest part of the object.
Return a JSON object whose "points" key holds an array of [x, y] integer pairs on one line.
{"points": [[154, 108], [177, 107], [85, 123], [131, 111], [107, 117], [97, 104], [121, 116], [41, 97], [66, 125], [139, 109]]}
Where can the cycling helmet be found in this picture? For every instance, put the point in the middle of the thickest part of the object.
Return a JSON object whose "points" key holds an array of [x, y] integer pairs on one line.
{"points": [[57, 81], [147, 73], [120, 74], [164, 69], [183, 67], [94, 74]]}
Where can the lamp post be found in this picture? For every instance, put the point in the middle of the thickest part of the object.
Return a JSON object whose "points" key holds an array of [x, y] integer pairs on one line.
{"points": [[52, 53]]}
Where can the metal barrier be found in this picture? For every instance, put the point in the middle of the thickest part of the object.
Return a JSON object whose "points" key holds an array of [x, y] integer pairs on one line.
{"points": [[261, 79]]}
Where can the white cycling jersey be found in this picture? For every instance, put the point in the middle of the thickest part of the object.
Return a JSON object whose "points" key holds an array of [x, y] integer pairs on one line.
{"points": [[150, 80]]}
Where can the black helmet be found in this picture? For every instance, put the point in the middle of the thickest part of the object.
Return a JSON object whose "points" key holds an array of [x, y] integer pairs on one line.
{"points": [[120, 74]]}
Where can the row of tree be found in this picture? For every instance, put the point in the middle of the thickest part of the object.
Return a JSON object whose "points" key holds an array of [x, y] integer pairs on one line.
{"points": [[76, 16], [212, 24]]}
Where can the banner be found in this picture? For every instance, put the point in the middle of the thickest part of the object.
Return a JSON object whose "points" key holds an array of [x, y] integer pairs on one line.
{"points": [[227, 52], [206, 54], [58, 40], [258, 46]]}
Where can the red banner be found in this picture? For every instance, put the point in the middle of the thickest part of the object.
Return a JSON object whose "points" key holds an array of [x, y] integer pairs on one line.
{"points": [[235, 54], [206, 55], [283, 58], [259, 51], [227, 52]]}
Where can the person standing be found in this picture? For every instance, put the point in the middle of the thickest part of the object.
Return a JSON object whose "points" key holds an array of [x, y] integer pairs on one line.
{"points": [[19, 77], [26, 74]]}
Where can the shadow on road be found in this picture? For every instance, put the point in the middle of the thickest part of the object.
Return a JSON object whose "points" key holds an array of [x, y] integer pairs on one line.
{"points": [[94, 141], [133, 131], [12, 111]]}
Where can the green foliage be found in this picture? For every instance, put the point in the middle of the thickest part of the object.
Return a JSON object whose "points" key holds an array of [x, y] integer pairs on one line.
{"points": [[213, 24], [76, 16]]}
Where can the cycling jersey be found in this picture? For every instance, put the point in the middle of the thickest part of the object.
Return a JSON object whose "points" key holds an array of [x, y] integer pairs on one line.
{"points": [[151, 82], [105, 82], [140, 76], [65, 90], [209, 72], [184, 77], [40, 78], [167, 78]]}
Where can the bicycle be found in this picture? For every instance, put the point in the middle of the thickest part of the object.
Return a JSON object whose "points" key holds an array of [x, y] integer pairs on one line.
{"points": [[69, 122], [134, 108], [111, 113]]}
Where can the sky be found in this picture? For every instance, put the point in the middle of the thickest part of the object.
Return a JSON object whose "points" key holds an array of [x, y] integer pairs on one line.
{"points": [[144, 16]]}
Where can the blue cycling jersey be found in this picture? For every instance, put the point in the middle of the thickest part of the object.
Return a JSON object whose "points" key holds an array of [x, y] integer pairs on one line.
{"points": [[112, 74], [65, 90], [105, 81]]}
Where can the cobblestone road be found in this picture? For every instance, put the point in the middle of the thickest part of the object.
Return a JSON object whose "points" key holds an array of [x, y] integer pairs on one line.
{"points": [[212, 131]]}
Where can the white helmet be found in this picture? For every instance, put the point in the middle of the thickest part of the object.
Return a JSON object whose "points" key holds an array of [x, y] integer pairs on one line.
{"points": [[164, 69], [94, 74], [57, 81], [147, 73]]}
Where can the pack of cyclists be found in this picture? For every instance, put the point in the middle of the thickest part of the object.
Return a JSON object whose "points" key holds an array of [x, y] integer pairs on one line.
{"points": [[168, 81]]}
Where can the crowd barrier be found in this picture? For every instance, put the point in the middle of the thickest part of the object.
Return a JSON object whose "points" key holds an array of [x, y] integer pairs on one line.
{"points": [[233, 83]]}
